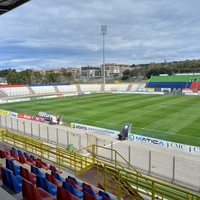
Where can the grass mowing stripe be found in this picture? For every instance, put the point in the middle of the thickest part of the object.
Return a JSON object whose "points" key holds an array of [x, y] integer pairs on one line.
{"points": [[160, 116]]}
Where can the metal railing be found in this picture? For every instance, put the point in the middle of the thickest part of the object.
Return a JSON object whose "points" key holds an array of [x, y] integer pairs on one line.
{"points": [[78, 163]]}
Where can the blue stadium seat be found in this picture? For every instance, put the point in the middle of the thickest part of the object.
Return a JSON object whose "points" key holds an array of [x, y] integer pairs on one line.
{"points": [[105, 194], [98, 197], [11, 165], [16, 182], [37, 171], [11, 181], [5, 177], [166, 85], [75, 180], [57, 176], [46, 185], [74, 191]]}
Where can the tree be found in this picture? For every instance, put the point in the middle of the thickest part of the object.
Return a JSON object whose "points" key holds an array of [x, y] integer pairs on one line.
{"points": [[125, 77], [12, 77], [69, 76], [25, 76], [115, 76], [51, 77], [36, 77], [126, 72]]}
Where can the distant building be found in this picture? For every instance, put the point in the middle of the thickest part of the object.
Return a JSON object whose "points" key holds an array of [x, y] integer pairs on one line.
{"points": [[90, 71], [40, 71], [113, 68], [74, 70], [55, 70]]}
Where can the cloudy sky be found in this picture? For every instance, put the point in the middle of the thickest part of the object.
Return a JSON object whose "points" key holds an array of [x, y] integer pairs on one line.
{"points": [[43, 34]]}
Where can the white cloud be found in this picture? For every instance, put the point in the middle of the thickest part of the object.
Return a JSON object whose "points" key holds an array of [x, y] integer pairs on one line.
{"points": [[67, 33]]}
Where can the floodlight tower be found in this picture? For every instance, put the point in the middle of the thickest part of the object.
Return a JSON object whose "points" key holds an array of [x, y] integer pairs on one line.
{"points": [[104, 32]]}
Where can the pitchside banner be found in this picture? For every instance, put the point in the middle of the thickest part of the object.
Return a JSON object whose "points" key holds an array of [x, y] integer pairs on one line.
{"points": [[4, 112], [47, 115], [30, 117], [165, 144], [95, 129]]}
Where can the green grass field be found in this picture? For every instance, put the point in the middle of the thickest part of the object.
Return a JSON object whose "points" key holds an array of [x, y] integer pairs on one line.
{"points": [[169, 117]]}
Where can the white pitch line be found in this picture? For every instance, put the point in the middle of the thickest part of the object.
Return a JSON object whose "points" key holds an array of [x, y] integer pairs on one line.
{"points": [[148, 129], [174, 114]]}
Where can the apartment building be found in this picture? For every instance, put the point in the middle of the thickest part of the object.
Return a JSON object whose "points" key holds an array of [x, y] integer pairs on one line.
{"points": [[113, 68], [89, 71], [74, 70]]}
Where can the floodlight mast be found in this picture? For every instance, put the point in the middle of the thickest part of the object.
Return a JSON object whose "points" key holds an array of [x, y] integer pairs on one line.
{"points": [[104, 32]]}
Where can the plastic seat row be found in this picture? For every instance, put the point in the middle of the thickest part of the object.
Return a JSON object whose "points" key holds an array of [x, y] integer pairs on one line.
{"points": [[77, 188], [30, 192], [49, 182], [14, 182], [24, 158], [6, 154]]}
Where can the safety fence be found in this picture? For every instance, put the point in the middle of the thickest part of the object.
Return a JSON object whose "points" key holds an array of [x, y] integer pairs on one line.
{"points": [[114, 172], [178, 170]]}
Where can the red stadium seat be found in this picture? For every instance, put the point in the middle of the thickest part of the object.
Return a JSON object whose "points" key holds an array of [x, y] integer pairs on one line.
{"points": [[30, 192]]}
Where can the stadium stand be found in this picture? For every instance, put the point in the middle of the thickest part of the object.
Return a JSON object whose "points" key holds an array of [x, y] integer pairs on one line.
{"points": [[43, 89], [195, 86], [78, 88], [180, 81], [136, 86], [129, 87], [90, 88], [102, 88], [56, 89], [67, 89], [23, 90], [166, 84], [18, 185], [14, 90], [30, 90], [179, 78]]}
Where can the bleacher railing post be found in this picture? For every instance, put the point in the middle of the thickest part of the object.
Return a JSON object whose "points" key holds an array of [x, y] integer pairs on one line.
{"points": [[56, 135], [149, 172], [173, 169], [39, 130]]}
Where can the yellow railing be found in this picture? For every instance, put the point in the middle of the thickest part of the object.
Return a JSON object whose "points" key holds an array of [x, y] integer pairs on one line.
{"points": [[116, 171], [54, 154], [145, 185]]}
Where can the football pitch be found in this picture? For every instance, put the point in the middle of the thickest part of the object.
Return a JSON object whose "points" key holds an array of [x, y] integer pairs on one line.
{"points": [[169, 117]]}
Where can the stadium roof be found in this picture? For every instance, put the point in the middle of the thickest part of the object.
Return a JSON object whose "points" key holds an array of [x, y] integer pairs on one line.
{"points": [[7, 5]]}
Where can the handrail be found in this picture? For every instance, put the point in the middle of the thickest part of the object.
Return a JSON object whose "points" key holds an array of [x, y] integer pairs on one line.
{"points": [[143, 184], [117, 168]]}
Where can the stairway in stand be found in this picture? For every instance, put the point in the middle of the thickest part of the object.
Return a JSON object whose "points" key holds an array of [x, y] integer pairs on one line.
{"points": [[30, 90], [56, 89], [78, 88], [129, 88], [90, 176]]}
